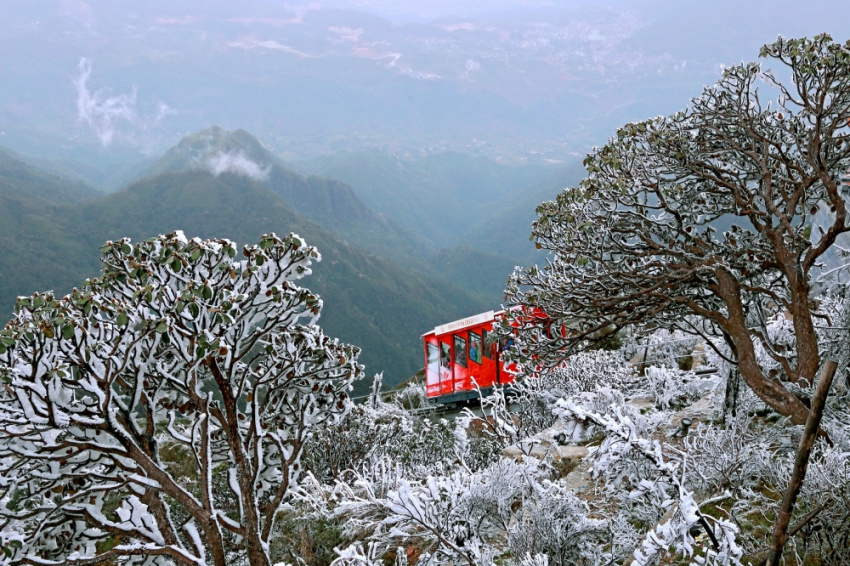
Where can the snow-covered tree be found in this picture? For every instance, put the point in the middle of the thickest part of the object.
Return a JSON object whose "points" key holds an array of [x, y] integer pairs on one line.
{"points": [[157, 415], [722, 211]]}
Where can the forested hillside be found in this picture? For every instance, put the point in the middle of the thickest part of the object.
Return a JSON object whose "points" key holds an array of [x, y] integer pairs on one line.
{"points": [[51, 235], [408, 243], [39, 247], [326, 201]]}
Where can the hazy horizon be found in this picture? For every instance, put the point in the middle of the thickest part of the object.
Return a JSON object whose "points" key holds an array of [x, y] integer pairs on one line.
{"points": [[517, 81]]}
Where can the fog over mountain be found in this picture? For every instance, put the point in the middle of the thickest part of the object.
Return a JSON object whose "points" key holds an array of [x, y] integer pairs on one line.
{"points": [[517, 81], [420, 135]]}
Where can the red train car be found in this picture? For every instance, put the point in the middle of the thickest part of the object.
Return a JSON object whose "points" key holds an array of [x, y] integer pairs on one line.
{"points": [[463, 353]]}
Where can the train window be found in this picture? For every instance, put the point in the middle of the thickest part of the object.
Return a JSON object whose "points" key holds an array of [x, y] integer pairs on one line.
{"points": [[489, 340], [460, 350], [445, 355], [474, 347], [433, 358], [506, 343]]}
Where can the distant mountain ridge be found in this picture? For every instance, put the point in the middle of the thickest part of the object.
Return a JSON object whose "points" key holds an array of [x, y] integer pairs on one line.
{"points": [[473, 213], [16, 171], [381, 284], [326, 201], [437, 197], [370, 301]]}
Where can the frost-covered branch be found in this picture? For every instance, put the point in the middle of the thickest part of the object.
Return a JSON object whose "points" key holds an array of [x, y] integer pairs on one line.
{"points": [[127, 401], [624, 437]]}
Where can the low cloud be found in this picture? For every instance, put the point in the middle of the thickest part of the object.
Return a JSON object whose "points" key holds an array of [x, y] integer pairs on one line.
{"points": [[237, 163], [113, 115]]}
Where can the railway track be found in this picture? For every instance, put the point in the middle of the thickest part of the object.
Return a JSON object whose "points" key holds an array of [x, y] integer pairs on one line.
{"points": [[452, 410]]}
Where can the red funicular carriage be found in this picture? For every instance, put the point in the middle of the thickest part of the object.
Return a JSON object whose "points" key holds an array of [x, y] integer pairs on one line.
{"points": [[464, 354]]}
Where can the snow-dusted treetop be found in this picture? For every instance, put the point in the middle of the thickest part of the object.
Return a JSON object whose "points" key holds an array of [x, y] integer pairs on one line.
{"points": [[716, 217], [157, 414]]}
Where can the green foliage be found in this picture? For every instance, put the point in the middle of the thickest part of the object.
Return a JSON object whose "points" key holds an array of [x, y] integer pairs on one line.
{"points": [[379, 304], [306, 538]]}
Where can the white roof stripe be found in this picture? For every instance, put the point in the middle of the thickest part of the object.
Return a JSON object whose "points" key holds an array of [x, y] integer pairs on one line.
{"points": [[465, 322]]}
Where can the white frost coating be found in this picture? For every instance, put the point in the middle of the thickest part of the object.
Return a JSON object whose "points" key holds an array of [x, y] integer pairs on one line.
{"points": [[174, 432], [623, 435], [155, 347], [233, 483], [135, 516], [145, 481], [195, 537], [225, 519]]}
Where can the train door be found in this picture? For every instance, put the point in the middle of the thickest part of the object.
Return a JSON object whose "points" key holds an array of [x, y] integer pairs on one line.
{"points": [[432, 368], [481, 367], [462, 382], [446, 378], [490, 357]]}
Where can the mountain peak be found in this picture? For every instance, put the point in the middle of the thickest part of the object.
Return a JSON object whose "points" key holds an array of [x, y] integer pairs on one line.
{"points": [[219, 151]]}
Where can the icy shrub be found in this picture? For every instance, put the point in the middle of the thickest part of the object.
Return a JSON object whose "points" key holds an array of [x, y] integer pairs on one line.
{"points": [[671, 348], [646, 476], [555, 524], [412, 396], [585, 371], [462, 516], [674, 388], [305, 538], [369, 433], [526, 407]]}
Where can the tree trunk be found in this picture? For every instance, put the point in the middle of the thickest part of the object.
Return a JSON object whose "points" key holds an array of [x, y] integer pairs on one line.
{"points": [[771, 392], [801, 464], [733, 386]]}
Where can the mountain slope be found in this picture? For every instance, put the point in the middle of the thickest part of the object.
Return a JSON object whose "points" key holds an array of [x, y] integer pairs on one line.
{"points": [[436, 197], [479, 273], [328, 202], [35, 246], [20, 177], [507, 231], [372, 302]]}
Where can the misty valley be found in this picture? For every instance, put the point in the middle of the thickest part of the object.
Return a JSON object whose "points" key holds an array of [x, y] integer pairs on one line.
{"points": [[425, 282]]}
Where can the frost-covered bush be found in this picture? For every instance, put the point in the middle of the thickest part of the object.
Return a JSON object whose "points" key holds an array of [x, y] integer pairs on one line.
{"points": [[555, 524], [333, 450], [631, 462], [369, 433], [670, 348], [464, 516], [673, 388], [585, 371], [826, 494], [305, 537], [526, 407], [411, 396], [158, 414], [736, 458], [751, 462]]}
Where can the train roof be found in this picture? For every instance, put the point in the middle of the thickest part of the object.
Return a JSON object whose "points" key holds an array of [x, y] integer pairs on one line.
{"points": [[463, 323]]}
